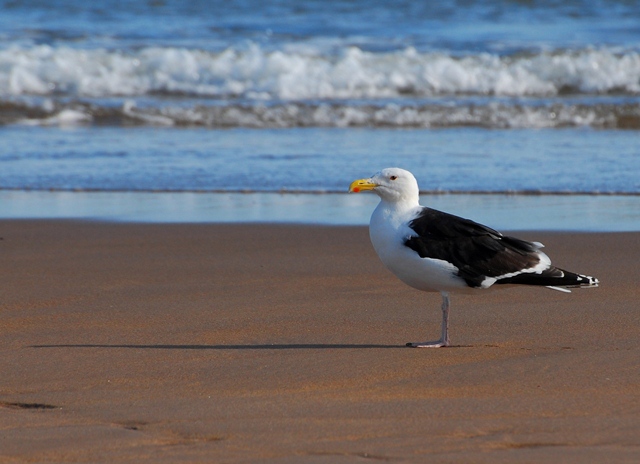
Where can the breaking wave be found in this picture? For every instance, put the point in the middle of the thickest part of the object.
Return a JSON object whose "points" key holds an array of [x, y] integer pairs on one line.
{"points": [[258, 74], [305, 87]]}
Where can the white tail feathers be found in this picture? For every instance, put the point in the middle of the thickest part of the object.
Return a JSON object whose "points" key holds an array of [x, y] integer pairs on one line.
{"points": [[560, 289], [583, 281]]}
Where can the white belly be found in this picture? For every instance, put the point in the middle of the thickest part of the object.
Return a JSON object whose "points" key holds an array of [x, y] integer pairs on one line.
{"points": [[426, 274]]}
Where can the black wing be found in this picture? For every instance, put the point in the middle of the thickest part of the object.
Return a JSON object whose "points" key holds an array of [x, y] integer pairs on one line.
{"points": [[476, 250]]}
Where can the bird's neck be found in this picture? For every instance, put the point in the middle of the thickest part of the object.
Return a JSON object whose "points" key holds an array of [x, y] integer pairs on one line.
{"points": [[394, 213], [399, 205]]}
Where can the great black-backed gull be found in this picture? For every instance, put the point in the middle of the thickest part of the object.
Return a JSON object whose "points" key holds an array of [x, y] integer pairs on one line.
{"points": [[439, 252]]}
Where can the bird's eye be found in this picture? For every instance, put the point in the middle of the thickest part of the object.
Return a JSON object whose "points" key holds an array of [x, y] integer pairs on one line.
{"points": [[393, 177]]}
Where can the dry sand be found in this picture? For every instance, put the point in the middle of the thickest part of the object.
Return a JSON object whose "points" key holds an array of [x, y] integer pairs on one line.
{"points": [[242, 343]]}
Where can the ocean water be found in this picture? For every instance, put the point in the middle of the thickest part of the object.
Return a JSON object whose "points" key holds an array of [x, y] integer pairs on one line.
{"points": [[500, 98]]}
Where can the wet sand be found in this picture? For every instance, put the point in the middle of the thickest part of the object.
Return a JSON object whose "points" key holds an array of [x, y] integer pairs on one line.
{"points": [[242, 343]]}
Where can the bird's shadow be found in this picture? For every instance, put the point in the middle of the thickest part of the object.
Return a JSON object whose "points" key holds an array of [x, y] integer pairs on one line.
{"points": [[275, 346]]}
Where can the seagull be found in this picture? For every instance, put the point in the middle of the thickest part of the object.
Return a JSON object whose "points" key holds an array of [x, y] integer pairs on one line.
{"points": [[434, 251]]}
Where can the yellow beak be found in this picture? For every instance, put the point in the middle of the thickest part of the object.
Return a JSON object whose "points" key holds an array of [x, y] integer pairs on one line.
{"points": [[361, 184]]}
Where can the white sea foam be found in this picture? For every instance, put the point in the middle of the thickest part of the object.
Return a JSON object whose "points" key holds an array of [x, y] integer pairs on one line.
{"points": [[255, 73], [66, 117], [346, 114]]}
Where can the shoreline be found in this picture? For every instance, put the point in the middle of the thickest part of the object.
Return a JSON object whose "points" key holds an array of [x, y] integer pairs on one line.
{"points": [[589, 213], [125, 342]]}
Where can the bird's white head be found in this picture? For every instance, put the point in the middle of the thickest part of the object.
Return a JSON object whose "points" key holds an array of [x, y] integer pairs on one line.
{"points": [[391, 184]]}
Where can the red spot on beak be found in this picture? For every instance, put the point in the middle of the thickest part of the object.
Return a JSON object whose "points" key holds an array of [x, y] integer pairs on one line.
{"points": [[356, 189]]}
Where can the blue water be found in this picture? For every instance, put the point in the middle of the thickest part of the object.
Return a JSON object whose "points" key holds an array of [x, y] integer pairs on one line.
{"points": [[318, 159], [289, 96]]}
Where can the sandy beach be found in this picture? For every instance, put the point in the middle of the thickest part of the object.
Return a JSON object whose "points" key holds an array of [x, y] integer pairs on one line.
{"points": [[270, 343]]}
